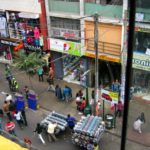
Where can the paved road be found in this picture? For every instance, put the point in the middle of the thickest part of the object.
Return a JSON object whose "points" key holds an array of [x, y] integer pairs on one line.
{"points": [[108, 141]]}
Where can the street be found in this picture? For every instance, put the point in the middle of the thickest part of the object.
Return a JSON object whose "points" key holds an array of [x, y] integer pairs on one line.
{"points": [[109, 140]]}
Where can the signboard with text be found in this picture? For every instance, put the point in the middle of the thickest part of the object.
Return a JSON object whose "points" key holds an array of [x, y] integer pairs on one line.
{"points": [[68, 47], [141, 61]]}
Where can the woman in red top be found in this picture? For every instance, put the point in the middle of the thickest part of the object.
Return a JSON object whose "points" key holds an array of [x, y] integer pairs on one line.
{"points": [[83, 104], [119, 108]]}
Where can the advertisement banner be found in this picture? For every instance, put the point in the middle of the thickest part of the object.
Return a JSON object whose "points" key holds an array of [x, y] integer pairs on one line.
{"points": [[141, 61], [67, 47], [110, 96]]}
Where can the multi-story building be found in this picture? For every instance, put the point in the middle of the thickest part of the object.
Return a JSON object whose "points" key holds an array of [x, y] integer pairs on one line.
{"points": [[22, 25], [71, 36]]}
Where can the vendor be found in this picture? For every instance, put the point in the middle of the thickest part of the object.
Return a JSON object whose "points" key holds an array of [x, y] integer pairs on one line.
{"points": [[71, 121]]}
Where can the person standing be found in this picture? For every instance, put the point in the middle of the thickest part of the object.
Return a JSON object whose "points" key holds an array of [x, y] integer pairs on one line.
{"points": [[6, 110], [50, 80], [66, 93], [51, 131], [40, 72], [26, 89], [38, 130], [8, 97], [58, 92], [71, 121], [119, 109], [14, 85]]}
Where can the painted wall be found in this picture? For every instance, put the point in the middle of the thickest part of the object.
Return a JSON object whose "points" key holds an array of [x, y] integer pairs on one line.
{"points": [[32, 6]]}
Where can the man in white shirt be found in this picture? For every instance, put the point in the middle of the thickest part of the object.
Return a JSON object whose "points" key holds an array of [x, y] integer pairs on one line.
{"points": [[137, 125], [51, 131], [8, 97]]}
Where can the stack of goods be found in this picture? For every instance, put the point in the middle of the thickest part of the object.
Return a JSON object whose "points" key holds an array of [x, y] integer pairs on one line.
{"points": [[54, 117], [90, 128]]}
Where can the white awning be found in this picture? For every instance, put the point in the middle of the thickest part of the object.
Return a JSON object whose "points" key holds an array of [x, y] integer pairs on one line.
{"points": [[28, 15]]}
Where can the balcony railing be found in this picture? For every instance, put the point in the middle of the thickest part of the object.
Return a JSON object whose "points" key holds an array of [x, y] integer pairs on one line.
{"points": [[105, 48]]}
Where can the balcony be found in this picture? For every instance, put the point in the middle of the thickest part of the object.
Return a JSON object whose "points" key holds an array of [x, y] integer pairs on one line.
{"points": [[109, 11], [105, 48], [64, 6]]}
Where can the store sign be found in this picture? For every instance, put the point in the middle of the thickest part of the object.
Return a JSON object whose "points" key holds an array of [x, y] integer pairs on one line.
{"points": [[32, 48], [139, 17], [65, 33], [141, 61], [9, 43], [67, 47], [109, 96], [103, 57]]}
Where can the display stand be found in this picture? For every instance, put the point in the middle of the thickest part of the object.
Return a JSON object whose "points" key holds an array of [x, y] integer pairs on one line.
{"points": [[19, 102], [32, 100]]}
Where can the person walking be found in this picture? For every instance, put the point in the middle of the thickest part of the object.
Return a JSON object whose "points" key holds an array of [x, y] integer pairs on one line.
{"points": [[40, 72], [51, 131], [66, 93], [23, 113], [6, 110], [10, 127], [19, 119], [138, 122], [14, 85], [26, 90], [50, 80], [71, 121], [39, 130], [119, 109]]}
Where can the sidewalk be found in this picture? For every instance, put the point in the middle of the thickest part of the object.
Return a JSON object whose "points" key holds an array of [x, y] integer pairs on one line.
{"points": [[48, 101]]}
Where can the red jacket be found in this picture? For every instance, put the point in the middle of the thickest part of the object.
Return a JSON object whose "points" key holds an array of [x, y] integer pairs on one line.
{"points": [[9, 126]]}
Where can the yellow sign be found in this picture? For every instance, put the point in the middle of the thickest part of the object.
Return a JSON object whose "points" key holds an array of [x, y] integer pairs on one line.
{"points": [[141, 61], [103, 57]]}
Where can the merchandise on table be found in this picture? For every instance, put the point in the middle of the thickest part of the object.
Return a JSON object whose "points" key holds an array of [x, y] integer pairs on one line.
{"points": [[60, 119], [90, 128]]}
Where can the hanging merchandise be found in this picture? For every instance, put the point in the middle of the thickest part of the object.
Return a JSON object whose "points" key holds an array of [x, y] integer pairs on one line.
{"points": [[90, 128]]}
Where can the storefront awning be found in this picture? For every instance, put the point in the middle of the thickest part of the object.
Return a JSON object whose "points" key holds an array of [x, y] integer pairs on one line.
{"points": [[28, 15]]}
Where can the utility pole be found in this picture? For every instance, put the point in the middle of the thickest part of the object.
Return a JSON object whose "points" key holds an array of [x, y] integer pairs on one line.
{"points": [[96, 63]]}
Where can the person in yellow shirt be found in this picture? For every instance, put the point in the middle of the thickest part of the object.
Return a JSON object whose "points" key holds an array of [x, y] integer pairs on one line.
{"points": [[96, 146], [51, 131]]}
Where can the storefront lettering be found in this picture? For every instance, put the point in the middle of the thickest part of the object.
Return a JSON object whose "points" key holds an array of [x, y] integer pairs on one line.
{"points": [[141, 62], [32, 48]]}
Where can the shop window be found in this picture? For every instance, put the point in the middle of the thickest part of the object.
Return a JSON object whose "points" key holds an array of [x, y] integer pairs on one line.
{"points": [[142, 43], [143, 4]]}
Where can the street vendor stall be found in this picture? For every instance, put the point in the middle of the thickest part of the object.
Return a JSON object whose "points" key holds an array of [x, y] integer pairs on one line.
{"points": [[90, 128]]}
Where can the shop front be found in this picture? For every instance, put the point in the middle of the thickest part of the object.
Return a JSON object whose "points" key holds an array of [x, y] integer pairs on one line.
{"points": [[141, 72], [26, 27], [109, 52], [69, 64]]}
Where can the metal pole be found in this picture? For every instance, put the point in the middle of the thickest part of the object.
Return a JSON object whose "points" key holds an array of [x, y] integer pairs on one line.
{"points": [[132, 5], [96, 62]]}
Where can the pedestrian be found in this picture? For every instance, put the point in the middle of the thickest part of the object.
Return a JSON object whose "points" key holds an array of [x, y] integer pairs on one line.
{"points": [[115, 87], [78, 101], [138, 122], [26, 89], [6, 110], [98, 108], [8, 97], [66, 93], [23, 113], [50, 80], [71, 121], [82, 106], [51, 131], [119, 109], [58, 92], [96, 146], [19, 119], [12, 107], [14, 85], [40, 72], [39, 130], [10, 127], [90, 145]]}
